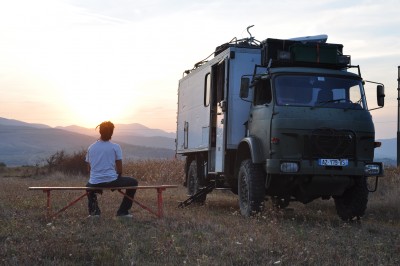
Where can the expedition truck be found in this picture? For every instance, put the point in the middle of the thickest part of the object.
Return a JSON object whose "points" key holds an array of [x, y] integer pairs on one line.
{"points": [[285, 120]]}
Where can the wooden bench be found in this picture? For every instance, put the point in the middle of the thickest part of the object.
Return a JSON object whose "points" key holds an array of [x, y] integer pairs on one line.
{"points": [[160, 188]]}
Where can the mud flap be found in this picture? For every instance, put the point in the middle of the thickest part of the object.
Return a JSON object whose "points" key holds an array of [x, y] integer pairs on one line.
{"points": [[376, 185]]}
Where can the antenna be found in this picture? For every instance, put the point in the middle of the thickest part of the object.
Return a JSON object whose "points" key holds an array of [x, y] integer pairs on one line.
{"points": [[251, 37], [251, 40]]}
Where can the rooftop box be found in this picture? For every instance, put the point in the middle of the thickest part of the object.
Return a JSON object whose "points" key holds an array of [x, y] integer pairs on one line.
{"points": [[297, 53]]}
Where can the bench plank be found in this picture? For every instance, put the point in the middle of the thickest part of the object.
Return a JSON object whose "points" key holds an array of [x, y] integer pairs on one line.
{"points": [[105, 188]]}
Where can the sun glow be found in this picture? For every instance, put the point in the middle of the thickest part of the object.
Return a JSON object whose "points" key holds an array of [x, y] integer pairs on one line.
{"points": [[89, 111], [92, 115]]}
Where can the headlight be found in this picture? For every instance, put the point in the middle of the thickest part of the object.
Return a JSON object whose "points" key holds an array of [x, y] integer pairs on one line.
{"points": [[373, 169], [289, 167]]}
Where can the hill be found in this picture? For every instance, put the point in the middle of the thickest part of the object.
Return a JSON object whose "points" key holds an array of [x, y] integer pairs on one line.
{"points": [[13, 122], [134, 134], [387, 153], [30, 144]]}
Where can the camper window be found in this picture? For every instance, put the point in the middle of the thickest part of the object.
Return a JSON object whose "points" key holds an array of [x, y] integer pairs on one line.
{"points": [[220, 81], [207, 88]]}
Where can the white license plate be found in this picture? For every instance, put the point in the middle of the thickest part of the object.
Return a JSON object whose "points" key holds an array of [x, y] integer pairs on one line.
{"points": [[333, 162]]}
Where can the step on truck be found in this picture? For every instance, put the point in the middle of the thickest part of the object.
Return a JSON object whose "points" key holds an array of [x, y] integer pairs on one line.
{"points": [[279, 120]]}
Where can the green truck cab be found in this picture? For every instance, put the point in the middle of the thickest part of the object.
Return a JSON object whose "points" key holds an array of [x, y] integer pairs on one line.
{"points": [[308, 132]]}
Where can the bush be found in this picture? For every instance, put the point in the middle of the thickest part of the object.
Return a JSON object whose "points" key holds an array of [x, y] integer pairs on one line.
{"points": [[69, 164], [2, 167]]}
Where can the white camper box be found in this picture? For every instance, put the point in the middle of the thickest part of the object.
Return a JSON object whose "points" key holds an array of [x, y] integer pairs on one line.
{"points": [[199, 119]]}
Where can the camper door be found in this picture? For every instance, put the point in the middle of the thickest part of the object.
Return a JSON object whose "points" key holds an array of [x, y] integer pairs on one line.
{"points": [[219, 72]]}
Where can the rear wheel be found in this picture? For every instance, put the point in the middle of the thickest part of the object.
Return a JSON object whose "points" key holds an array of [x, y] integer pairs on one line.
{"points": [[251, 185], [194, 182], [353, 203]]}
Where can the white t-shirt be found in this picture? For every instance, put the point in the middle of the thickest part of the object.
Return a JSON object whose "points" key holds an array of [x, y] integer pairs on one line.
{"points": [[101, 156]]}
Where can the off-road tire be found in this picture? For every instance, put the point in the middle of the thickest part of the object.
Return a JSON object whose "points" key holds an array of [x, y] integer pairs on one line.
{"points": [[353, 203], [251, 188], [194, 182]]}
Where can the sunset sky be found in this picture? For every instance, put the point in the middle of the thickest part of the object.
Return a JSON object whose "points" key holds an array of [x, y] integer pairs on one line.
{"points": [[85, 61]]}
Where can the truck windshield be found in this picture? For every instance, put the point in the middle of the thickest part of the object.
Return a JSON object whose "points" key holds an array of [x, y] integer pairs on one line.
{"points": [[319, 91]]}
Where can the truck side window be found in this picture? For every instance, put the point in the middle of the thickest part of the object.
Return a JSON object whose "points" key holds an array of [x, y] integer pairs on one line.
{"points": [[207, 89], [263, 93], [355, 95]]}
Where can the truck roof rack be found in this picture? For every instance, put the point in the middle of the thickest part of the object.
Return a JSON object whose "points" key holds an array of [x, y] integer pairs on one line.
{"points": [[306, 51]]}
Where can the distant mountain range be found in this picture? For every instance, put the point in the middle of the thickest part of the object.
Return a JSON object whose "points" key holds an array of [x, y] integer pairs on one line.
{"points": [[135, 134], [134, 129], [24, 143], [13, 122], [387, 153]]}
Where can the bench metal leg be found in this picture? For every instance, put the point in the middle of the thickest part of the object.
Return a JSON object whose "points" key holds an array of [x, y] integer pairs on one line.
{"points": [[160, 202], [48, 205], [70, 204], [159, 213]]}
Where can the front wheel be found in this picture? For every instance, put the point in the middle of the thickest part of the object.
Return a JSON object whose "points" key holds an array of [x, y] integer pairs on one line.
{"points": [[251, 185], [353, 203]]}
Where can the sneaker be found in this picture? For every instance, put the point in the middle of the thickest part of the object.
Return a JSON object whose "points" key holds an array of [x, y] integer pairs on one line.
{"points": [[128, 215], [94, 216]]}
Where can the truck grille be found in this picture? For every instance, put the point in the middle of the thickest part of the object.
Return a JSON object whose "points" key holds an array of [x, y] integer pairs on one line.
{"points": [[331, 143]]}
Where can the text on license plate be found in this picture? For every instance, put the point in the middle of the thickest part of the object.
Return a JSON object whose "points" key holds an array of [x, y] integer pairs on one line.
{"points": [[333, 162]]}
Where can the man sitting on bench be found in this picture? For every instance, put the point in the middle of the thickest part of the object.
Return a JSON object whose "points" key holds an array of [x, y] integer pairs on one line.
{"points": [[104, 160]]}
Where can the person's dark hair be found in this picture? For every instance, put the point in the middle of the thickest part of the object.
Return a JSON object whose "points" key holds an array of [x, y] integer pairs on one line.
{"points": [[106, 130]]}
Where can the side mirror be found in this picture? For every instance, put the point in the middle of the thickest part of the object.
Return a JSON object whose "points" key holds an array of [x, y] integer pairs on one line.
{"points": [[244, 87], [380, 95]]}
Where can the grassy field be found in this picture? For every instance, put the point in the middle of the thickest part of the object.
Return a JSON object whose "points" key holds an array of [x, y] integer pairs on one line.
{"points": [[212, 234]]}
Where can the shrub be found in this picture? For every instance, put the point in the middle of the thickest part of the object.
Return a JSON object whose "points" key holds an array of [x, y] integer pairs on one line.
{"points": [[167, 171], [2, 167], [69, 164]]}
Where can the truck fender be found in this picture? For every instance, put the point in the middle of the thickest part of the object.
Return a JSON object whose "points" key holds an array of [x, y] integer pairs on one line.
{"points": [[250, 147]]}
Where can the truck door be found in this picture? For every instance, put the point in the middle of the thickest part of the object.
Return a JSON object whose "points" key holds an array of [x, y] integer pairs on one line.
{"points": [[261, 114], [218, 115]]}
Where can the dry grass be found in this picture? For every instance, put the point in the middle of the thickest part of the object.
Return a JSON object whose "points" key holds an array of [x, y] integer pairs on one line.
{"points": [[213, 234]]}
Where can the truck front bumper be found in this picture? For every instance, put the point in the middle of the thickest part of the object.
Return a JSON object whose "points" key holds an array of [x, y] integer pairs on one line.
{"points": [[312, 167]]}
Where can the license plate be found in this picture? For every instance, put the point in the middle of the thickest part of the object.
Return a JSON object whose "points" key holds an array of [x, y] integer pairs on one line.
{"points": [[333, 162]]}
